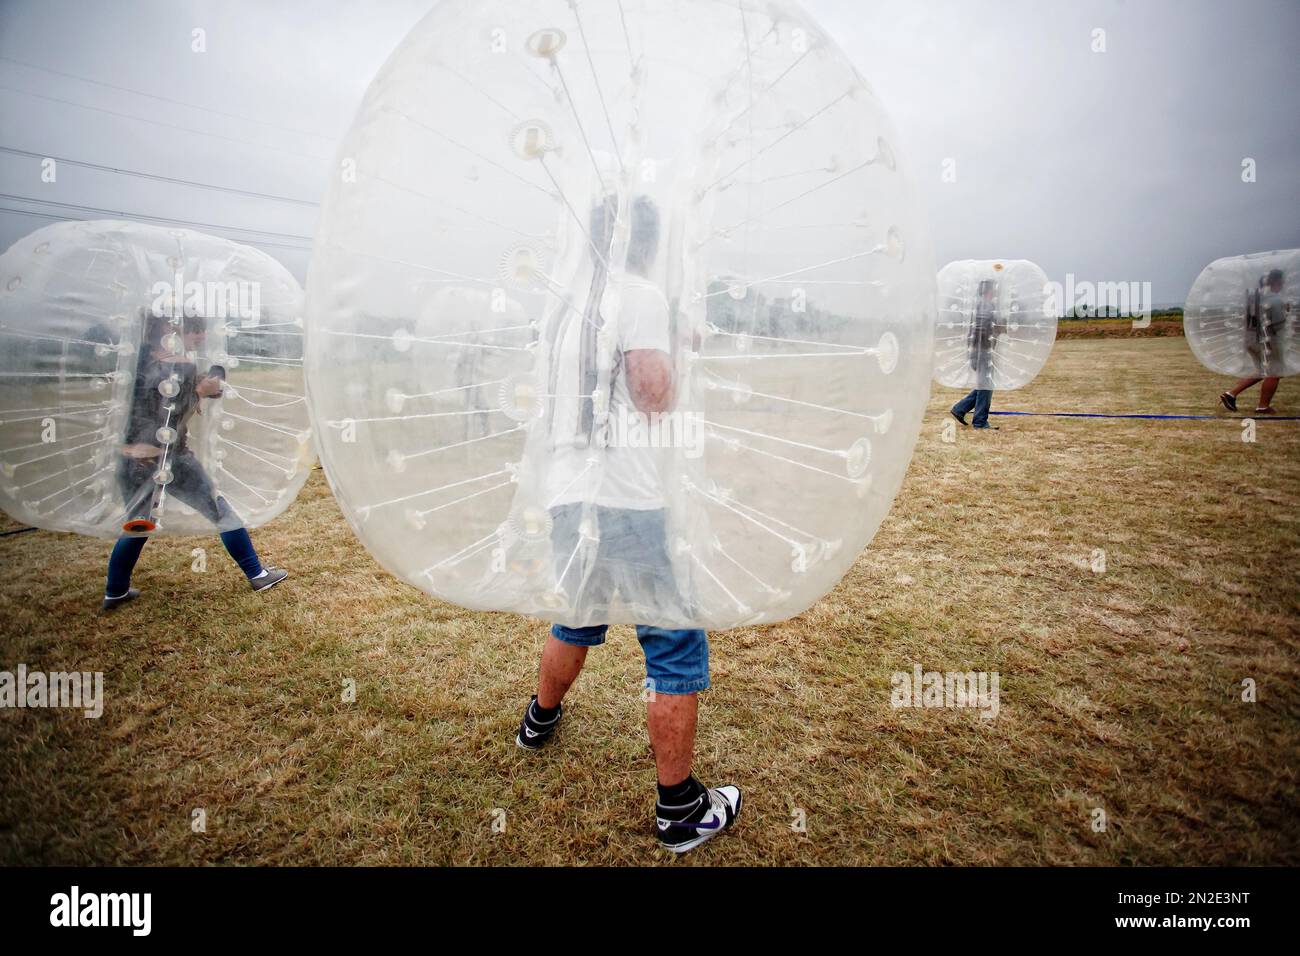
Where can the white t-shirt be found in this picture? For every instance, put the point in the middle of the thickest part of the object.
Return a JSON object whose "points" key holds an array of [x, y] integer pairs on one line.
{"points": [[612, 476]]}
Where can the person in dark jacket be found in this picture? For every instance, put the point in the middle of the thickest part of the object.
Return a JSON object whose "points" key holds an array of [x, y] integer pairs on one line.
{"points": [[155, 460]]}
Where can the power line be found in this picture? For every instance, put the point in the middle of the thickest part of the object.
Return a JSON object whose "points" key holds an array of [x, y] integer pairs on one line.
{"points": [[183, 129], [52, 216], [304, 243], [165, 179], [128, 215], [167, 99]]}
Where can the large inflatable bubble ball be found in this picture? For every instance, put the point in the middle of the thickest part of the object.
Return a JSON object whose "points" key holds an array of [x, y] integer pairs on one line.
{"points": [[1242, 316], [150, 382], [996, 324], [619, 311]]}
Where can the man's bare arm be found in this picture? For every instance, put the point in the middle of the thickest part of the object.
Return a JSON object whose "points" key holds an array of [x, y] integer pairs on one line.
{"points": [[650, 380]]}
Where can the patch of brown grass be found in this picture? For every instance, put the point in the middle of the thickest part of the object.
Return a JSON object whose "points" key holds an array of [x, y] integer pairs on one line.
{"points": [[1119, 690], [1118, 328]]}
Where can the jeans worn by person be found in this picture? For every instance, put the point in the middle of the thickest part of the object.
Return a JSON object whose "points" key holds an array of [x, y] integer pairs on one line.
{"points": [[979, 399], [190, 484]]}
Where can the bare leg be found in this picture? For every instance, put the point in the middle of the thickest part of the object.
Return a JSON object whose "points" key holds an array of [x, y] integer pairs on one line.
{"points": [[1267, 391], [561, 664], [671, 720], [1242, 385]]}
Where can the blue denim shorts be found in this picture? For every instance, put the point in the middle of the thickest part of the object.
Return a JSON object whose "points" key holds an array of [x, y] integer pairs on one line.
{"points": [[676, 662], [632, 561]]}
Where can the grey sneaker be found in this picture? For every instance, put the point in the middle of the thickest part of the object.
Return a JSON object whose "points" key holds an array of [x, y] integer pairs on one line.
{"points": [[269, 579], [112, 602]]}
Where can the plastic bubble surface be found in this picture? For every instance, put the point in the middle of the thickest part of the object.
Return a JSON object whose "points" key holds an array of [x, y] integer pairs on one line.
{"points": [[129, 356], [996, 324], [638, 295], [1242, 316]]}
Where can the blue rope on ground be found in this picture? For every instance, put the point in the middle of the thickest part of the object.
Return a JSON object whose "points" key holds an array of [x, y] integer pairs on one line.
{"points": [[1194, 418]]}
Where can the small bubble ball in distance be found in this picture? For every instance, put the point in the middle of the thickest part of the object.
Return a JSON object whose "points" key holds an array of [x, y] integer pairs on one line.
{"points": [[996, 324], [1242, 316]]}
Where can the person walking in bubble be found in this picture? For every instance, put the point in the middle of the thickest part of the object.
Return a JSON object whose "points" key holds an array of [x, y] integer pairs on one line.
{"points": [[609, 524], [1266, 315], [981, 342], [167, 393]]}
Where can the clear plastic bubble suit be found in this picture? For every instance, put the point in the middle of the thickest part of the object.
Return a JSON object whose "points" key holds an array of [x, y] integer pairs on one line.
{"points": [[1241, 316], [619, 312], [150, 381], [996, 324]]}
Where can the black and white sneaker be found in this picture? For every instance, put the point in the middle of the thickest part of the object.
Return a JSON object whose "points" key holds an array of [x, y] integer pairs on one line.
{"points": [[684, 827], [533, 731]]}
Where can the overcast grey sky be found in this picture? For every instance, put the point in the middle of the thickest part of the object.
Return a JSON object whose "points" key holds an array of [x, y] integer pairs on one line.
{"points": [[1123, 165]]}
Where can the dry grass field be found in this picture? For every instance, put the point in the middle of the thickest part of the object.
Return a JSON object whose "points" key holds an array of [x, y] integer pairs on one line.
{"points": [[1121, 689]]}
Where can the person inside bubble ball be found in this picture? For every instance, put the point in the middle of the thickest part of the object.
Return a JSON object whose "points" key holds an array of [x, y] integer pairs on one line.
{"points": [[1266, 314], [167, 393], [609, 530], [981, 342]]}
